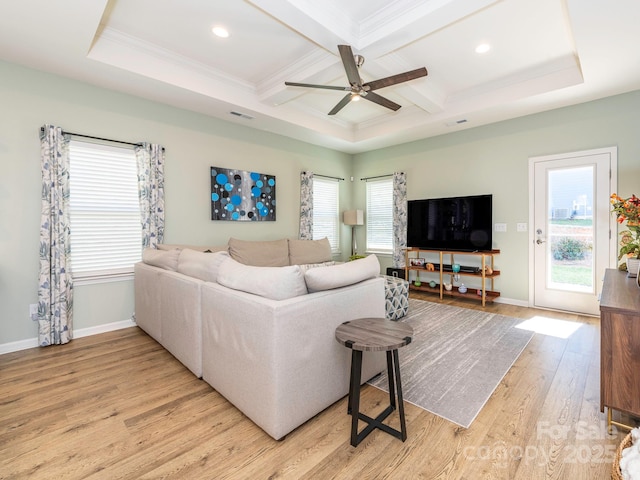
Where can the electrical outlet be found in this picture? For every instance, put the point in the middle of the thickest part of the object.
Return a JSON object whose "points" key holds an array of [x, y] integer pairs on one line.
{"points": [[500, 227], [521, 227], [33, 311]]}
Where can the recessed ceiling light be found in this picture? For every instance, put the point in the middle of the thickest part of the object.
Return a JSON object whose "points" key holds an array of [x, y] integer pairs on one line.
{"points": [[219, 31], [483, 48]]}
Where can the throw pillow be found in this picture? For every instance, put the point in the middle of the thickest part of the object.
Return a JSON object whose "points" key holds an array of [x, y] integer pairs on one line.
{"points": [[167, 259], [197, 248], [307, 266], [337, 276], [273, 253], [276, 283], [202, 265], [309, 251]]}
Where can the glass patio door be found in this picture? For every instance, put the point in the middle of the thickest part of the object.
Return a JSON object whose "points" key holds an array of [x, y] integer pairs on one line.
{"points": [[570, 235]]}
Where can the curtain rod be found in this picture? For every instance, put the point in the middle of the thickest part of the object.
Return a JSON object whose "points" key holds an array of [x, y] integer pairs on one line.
{"points": [[379, 176], [326, 176], [96, 138]]}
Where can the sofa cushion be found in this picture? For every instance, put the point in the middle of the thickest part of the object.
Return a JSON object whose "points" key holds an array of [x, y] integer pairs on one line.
{"points": [[337, 276], [309, 251], [167, 259], [273, 253], [201, 265], [276, 283]]}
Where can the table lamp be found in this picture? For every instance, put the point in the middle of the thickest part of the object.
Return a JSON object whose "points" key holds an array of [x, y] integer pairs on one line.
{"points": [[353, 218]]}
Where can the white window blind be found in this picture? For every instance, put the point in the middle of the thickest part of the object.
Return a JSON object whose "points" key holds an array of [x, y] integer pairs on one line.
{"points": [[106, 232], [380, 216], [325, 211]]}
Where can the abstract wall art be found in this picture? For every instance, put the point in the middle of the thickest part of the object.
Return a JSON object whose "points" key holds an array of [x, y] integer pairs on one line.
{"points": [[241, 196]]}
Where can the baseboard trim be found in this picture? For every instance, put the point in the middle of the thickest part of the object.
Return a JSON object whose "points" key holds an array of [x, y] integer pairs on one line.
{"points": [[19, 345], [511, 301], [83, 332]]}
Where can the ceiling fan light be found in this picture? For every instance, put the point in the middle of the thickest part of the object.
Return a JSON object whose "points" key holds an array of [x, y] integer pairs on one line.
{"points": [[355, 97], [220, 31], [483, 48]]}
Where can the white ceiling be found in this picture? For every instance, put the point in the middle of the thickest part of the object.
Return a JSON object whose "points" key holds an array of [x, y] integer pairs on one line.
{"points": [[545, 54]]}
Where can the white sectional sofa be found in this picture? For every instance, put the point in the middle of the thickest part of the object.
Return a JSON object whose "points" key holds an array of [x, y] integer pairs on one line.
{"points": [[262, 335]]}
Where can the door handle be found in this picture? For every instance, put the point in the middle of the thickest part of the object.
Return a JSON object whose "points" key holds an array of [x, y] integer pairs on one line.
{"points": [[539, 241]]}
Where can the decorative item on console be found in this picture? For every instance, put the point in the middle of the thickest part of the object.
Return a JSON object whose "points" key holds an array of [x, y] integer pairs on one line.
{"points": [[462, 288], [417, 262], [628, 210]]}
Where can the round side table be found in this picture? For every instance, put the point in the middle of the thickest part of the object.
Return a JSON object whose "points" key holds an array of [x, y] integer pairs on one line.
{"points": [[370, 335]]}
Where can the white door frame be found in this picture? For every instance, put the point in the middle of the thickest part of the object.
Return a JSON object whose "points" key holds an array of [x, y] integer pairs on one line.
{"points": [[613, 228]]}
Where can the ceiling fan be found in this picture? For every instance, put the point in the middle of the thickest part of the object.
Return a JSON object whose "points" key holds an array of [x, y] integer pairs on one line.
{"points": [[358, 89]]}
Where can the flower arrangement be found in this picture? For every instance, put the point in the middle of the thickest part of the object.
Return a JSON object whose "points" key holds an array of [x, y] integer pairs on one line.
{"points": [[628, 210]]}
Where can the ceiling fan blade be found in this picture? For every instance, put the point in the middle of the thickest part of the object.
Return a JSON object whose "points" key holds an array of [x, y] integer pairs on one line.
{"points": [[310, 85], [380, 100], [349, 63], [341, 104], [395, 79]]}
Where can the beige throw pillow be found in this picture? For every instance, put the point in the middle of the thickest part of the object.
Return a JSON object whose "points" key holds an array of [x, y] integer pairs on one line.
{"points": [[303, 252], [204, 266], [197, 248], [260, 254], [336, 276], [167, 259], [276, 283]]}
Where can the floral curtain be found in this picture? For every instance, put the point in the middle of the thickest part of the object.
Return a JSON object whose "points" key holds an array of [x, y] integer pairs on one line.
{"points": [[399, 219], [306, 206], [150, 158], [55, 284]]}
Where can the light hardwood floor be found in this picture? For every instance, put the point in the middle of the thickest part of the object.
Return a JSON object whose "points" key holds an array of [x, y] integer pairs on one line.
{"points": [[117, 405]]}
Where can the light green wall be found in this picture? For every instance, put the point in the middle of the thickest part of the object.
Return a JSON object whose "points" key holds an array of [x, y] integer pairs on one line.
{"points": [[492, 159], [193, 143], [495, 159]]}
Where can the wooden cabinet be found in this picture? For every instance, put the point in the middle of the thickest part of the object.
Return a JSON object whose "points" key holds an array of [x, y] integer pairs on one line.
{"points": [[481, 278], [620, 344]]}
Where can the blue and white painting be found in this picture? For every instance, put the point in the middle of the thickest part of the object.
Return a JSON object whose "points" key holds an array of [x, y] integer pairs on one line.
{"points": [[241, 196]]}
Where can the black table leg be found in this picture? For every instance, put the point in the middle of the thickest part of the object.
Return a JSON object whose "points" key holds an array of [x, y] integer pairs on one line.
{"points": [[390, 373], [395, 389], [354, 394], [403, 425]]}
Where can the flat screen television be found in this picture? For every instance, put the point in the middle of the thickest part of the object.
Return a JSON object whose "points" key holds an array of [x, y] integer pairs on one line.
{"points": [[454, 223]]}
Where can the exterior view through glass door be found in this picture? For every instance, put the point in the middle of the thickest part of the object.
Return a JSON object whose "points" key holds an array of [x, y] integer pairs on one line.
{"points": [[571, 244]]}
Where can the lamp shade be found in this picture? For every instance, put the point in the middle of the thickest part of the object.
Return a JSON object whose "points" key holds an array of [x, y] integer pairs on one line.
{"points": [[353, 217]]}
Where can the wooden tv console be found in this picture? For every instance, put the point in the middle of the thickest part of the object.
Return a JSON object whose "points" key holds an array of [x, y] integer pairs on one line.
{"points": [[485, 293]]}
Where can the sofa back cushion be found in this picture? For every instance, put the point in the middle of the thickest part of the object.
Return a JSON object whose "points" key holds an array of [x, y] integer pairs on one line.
{"points": [[302, 252], [276, 283], [336, 276], [204, 266], [273, 253], [167, 259]]}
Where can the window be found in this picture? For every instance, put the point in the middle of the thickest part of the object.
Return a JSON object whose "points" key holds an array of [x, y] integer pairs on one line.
{"points": [[325, 211], [380, 216], [106, 233]]}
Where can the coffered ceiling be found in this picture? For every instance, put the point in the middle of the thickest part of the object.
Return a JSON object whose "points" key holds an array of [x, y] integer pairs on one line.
{"points": [[543, 54]]}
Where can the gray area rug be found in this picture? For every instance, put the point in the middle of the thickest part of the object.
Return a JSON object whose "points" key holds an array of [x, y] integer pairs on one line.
{"points": [[456, 359]]}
